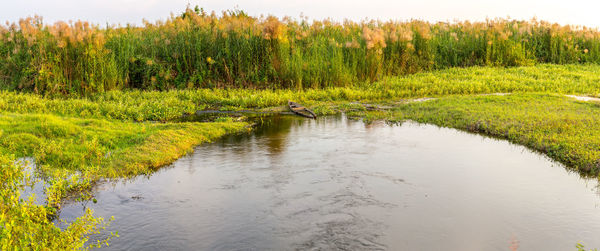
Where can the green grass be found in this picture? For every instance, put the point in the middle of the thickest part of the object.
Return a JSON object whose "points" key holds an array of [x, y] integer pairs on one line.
{"points": [[117, 148], [72, 154], [76, 132], [564, 79], [170, 105], [27, 226]]}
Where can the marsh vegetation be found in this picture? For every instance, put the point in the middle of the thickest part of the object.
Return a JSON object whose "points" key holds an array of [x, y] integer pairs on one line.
{"points": [[206, 50], [92, 103]]}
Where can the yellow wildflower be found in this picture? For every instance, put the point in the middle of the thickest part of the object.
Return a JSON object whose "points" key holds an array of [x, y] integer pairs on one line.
{"points": [[210, 60]]}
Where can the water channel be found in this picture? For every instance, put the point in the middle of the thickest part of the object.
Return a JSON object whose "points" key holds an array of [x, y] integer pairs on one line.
{"points": [[335, 183]]}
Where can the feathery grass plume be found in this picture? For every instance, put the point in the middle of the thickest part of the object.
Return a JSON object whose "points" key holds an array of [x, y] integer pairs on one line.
{"points": [[268, 52]]}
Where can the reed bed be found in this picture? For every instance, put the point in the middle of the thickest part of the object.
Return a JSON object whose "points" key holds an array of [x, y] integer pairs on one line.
{"points": [[233, 50]]}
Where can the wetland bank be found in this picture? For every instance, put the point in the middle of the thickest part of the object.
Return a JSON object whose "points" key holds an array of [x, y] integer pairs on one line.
{"points": [[52, 131], [90, 104]]}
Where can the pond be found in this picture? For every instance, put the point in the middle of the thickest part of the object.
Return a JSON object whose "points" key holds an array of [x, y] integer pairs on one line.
{"points": [[335, 183]]}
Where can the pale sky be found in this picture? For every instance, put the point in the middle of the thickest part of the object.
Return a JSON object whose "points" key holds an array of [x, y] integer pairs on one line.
{"points": [[578, 12]]}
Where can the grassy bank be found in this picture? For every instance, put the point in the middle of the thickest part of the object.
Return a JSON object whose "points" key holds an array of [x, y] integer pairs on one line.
{"points": [[561, 127], [202, 50], [170, 105], [76, 141], [114, 148], [75, 132], [27, 226], [72, 154]]}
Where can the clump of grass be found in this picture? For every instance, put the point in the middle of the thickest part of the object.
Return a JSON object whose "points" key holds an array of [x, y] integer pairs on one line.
{"points": [[201, 50]]}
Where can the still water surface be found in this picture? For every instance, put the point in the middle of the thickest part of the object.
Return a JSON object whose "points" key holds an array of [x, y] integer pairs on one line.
{"points": [[335, 183]]}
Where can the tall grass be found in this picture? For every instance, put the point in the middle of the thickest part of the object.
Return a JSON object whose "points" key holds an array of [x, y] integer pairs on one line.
{"points": [[199, 50], [137, 105]]}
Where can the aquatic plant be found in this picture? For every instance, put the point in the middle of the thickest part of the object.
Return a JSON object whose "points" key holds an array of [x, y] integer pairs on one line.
{"points": [[27, 226], [581, 247]]}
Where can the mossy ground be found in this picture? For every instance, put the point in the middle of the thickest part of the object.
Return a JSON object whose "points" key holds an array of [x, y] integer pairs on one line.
{"points": [[117, 148]]}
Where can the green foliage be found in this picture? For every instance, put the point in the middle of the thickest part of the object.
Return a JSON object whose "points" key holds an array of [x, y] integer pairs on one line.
{"points": [[200, 50], [26, 226], [82, 132], [171, 105]]}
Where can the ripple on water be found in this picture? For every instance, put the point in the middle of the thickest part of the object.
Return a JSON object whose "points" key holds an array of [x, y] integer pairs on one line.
{"points": [[339, 184]]}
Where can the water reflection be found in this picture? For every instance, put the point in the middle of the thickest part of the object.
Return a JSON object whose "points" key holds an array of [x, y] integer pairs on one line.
{"points": [[334, 183], [35, 186]]}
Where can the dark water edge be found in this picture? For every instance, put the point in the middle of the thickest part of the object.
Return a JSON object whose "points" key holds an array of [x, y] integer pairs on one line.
{"points": [[334, 183]]}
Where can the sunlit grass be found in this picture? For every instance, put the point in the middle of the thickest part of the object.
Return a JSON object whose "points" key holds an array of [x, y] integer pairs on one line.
{"points": [[170, 105], [114, 148]]}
